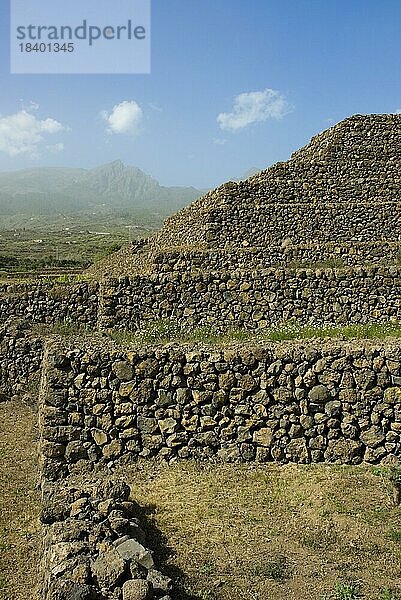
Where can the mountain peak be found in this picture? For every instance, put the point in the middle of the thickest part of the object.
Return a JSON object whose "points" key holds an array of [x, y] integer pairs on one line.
{"points": [[113, 184], [118, 164], [115, 165]]}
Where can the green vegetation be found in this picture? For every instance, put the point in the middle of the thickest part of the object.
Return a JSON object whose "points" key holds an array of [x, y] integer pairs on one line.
{"points": [[107, 251], [330, 263], [68, 242], [277, 569], [395, 535], [345, 591], [388, 594], [166, 331], [169, 330], [320, 537], [391, 472], [67, 329]]}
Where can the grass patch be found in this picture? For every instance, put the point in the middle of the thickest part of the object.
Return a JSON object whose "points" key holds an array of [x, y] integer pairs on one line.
{"points": [[169, 330], [395, 535], [345, 591], [165, 331], [20, 503], [278, 569], [269, 531], [329, 263], [390, 594], [65, 329], [321, 537]]}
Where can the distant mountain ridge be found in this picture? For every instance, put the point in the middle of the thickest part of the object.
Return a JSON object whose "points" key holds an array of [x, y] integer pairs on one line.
{"points": [[114, 185]]}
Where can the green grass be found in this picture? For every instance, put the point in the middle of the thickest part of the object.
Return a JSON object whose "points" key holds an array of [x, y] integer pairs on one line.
{"points": [[388, 594], [65, 329], [4, 543], [395, 535], [67, 278], [330, 263], [277, 569], [71, 241], [168, 330], [207, 568], [320, 538], [345, 591]]}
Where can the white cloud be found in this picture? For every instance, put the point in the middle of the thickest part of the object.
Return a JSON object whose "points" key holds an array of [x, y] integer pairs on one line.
{"points": [[219, 142], [398, 111], [29, 106], [254, 107], [55, 147], [125, 117], [24, 133]]}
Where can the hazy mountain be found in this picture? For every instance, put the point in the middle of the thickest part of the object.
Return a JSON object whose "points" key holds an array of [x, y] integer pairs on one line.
{"points": [[112, 186]]}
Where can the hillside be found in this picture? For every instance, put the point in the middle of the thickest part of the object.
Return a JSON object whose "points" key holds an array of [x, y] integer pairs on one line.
{"points": [[113, 186]]}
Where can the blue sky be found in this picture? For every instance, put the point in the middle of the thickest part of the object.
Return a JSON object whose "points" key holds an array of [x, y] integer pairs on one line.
{"points": [[235, 84]]}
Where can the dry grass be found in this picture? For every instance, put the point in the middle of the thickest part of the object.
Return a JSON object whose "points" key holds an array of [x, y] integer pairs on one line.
{"points": [[19, 502], [273, 532]]}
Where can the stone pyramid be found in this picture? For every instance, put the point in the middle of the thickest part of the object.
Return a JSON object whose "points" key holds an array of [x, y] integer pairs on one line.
{"points": [[335, 202]]}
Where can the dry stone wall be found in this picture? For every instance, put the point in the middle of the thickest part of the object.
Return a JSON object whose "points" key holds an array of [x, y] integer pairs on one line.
{"points": [[360, 231], [257, 300], [21, 355], [23, 305], [303, 222], [309, 255], [49, 302], [338, 402], [94, 547], [252, 299]]}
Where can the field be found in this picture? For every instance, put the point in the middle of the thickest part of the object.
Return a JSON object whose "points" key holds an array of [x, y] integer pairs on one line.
{"points": [[19, 502], [68, 241], [263, 532]]}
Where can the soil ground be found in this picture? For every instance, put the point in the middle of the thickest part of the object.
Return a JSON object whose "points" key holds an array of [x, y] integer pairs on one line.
{"points": [[261, 532], [19, 502]]}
